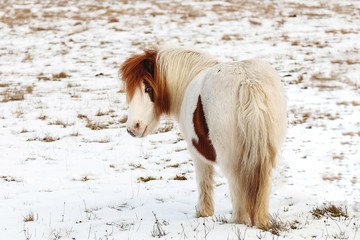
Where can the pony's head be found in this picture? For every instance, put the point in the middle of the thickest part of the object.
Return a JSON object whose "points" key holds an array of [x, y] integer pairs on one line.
{"points": [[147, 94]]}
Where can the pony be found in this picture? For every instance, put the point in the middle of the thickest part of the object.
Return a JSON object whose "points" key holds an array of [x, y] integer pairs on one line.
{"points": [[231, 114]]}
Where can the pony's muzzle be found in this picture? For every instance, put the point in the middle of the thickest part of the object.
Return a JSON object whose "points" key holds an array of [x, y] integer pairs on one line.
{"points": [[137, 129], [131, 133]]}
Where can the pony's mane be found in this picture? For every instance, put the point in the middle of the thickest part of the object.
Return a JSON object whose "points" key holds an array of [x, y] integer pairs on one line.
{"points": [[143, 67], [179, 66], [168, 71]]}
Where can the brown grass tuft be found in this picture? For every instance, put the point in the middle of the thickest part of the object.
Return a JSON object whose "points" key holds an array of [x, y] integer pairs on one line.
{"points": [[49, 139], [277, 226], [113, 20], [323, 87], [61, 123], [123, 119], [58, 76], [168, 126], [42, 77], [29, 218], [136, 165], [85, 179], [9, 179], [147, 179], [181, 178], [95, 125], [321, 77], [82, 116], [255, 22], [13, 95], [100, 113], [332, 177], [226, 37], [75, 134], [329, 210], [42, 117]]}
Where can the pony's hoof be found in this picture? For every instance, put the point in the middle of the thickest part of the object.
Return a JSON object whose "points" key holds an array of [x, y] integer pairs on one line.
{"points": [[204, 212], [238, 220], [264, 225]]}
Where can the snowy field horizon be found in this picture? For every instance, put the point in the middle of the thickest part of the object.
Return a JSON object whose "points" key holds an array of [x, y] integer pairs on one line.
{"points": [[69, 169]]}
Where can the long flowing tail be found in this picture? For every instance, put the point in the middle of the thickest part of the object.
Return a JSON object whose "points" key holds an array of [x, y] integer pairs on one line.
{"points": [[257, 152]]}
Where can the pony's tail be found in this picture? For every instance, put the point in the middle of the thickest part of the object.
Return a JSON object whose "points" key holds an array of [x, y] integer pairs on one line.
{"points": [[257, 152]]}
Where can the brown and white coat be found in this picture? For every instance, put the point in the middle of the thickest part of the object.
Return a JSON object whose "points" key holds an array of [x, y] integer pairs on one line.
{"points": [[231, 114]]}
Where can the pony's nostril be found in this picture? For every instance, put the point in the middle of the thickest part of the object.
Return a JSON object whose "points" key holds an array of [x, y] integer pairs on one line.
{"points": [[137, 126]]}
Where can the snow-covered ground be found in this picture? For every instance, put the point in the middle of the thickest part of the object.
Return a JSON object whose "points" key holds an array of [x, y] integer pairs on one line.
{"points": [[69, 170]]}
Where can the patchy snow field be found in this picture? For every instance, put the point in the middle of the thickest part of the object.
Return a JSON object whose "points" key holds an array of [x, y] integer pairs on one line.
{"points": [[69, 170]]}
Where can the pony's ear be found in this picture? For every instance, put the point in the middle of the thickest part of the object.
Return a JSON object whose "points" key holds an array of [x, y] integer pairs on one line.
{"points": [[149, 66]]}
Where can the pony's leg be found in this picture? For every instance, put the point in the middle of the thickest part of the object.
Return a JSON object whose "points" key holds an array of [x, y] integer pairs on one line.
{"points": [[262, 218], [238, 200], [204, 178]]}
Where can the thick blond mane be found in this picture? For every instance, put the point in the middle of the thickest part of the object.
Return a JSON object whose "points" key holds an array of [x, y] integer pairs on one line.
{"points": [[179, 66]]}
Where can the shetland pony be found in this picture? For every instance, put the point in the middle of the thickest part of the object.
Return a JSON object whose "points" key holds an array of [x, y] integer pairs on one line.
{"points": [[230, 114]]}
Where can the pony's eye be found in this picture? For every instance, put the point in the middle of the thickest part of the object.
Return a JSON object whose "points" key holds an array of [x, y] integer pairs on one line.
{"points": [[148, 90]]}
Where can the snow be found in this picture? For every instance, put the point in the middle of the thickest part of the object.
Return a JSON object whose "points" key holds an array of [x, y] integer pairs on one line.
{"points": [[80, 183]]}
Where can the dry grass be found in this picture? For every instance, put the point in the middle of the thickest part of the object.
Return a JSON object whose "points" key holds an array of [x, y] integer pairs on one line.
{"points": [[17, 16], [353, 103], [226, 37], [329, 210], [123, 119], [278, 225], [332, 177], [93, 125], [301, 118], [61, 123], [82, 116], [351, 134], [354, 180], [100, 113], [27, 58], [174, 165], [58, 76], [10, 179], [167, 126], [325, 87], [96, 125], [13, 95], [295, 43], [347, 61], [338, 157], [299, 80], [42, 77], [255, 22], [138, 165], [39, 29], [181, 178], [75, 134], [321, 77], [102, 140], [54, 77], [24, 131], [147, 179], [85, 179], [42, 117], [29, 217], [29, 89], [3, 85], [49, 138]]}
